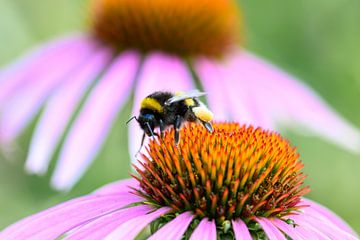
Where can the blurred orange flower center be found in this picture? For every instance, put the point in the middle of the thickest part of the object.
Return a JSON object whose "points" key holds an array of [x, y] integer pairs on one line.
{"points": [[185, 28]]}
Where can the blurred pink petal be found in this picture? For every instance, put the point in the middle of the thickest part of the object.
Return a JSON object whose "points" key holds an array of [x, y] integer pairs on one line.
{"points": [[117, 187], [55, 221], [25, 103], [131, 228], [272, 232], [16, 75], [241, 231], [103, 225], [233, 100], [205, 230], [259, 93], [91, 127], [212, 82], [160, 72], [174, 229], [58, 111]]}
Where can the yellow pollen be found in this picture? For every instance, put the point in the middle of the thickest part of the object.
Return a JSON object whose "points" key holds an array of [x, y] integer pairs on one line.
{"points": [[182, 27], [203, 113], [151, 103]]}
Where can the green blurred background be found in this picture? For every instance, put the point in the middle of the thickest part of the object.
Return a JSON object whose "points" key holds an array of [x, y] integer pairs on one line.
{"points": [[318, 41]]}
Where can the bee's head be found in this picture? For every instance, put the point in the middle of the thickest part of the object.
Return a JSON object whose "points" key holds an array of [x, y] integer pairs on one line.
{"points": [[147, 123]]}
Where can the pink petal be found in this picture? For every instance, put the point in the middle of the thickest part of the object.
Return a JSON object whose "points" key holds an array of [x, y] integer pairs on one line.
{"points": [[22, 106], [212, 81], [118, 187], [241, 231], [322, 223], [316, 208], [174, 229], [312, 230], [272, 232], [131, 228], [89, 130], [53, 222], [16, 75], [229, 95], [205, 230], [160, 72], [261, 94], [291, 231], [102, 226], [58, 111], [329, 229]]}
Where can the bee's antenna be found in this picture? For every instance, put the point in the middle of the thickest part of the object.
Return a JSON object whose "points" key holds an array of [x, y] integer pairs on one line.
{"points": [[133, 117]]}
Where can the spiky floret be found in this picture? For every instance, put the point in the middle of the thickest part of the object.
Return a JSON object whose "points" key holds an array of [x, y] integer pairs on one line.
{"points": [[234, 172], [186, 27]]}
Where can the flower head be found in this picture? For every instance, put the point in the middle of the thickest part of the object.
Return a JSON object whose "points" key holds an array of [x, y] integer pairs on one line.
{"points": [[237, 183], [237, 171], [144, 46], [189, 28]]}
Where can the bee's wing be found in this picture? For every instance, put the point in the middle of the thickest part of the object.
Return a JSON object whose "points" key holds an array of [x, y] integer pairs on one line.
{"points": [[183, 96]]}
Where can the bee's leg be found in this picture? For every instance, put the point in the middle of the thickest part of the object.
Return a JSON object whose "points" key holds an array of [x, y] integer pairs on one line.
{"points": [[162, 128], [150, 129], [208, 126], [177, 125], [142, 141]]}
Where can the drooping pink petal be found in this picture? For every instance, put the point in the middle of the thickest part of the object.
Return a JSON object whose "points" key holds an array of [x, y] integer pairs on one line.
{"points": [[272, 232], [205, 230], [312, 219], [174, 229], [317, 209], [131, 228], [263, 95], [228, 95], [22, 106], [89, 130], [329, 229], [16, 75], [291, 231], [241, 231], [118, 187], [314, 231], [212, 82], [160, 72], [102, 226], [59, 108], [53, 222]]}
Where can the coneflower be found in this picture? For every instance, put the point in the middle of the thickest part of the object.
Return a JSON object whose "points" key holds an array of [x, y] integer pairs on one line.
{"points": [[144, 46], [239, 182]]}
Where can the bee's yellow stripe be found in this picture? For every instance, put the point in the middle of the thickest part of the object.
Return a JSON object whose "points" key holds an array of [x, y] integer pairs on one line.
{"points": [[151, 103], [189, 101]]}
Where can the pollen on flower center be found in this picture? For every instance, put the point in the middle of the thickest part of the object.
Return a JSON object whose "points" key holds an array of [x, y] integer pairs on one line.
{"points": [[234, 172], [186, 27]]}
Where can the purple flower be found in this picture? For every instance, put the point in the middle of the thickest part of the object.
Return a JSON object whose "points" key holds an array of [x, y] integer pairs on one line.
{"points": [[143, 46], [237, 183]]}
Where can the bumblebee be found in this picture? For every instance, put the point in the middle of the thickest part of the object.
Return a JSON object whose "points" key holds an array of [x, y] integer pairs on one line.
{"points": [[164, 109]]}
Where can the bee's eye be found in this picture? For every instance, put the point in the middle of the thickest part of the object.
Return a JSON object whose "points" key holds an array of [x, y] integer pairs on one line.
{"points": [[148, 117]]}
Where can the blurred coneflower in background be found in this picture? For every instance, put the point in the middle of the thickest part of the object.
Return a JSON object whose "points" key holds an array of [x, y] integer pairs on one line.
{"points": [[142, 46], [236, 183]]}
